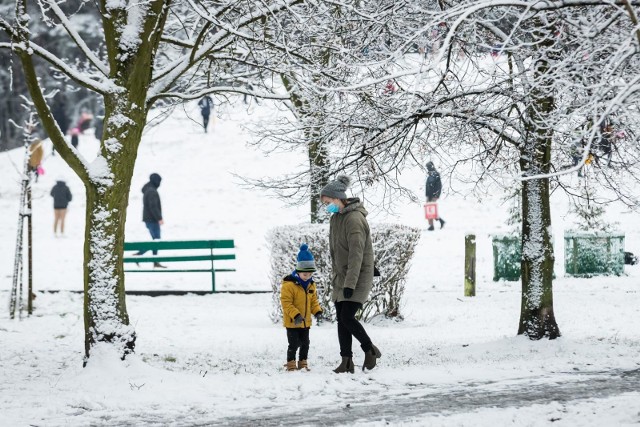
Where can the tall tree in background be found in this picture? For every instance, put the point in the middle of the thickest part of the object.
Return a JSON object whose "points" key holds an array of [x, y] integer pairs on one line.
{"points": [[500, 92], [345, 40], [554, 69]]}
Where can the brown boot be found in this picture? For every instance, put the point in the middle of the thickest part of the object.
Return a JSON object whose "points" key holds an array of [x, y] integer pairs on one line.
{"points": [[370, 357], [345, 366], [302, 364], [291, 365]]}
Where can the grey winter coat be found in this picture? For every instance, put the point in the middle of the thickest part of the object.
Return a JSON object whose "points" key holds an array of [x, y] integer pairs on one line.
{"points": [[351, 252]]}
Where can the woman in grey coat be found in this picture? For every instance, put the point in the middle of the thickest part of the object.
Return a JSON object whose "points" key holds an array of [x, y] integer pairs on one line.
{"points": [[352, 264]]}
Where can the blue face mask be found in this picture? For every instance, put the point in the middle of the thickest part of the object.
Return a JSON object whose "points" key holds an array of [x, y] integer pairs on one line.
{"points": [[332, 208]]}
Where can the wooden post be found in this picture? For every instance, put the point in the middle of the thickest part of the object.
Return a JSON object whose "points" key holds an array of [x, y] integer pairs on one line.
{"points": [[470, 265]]}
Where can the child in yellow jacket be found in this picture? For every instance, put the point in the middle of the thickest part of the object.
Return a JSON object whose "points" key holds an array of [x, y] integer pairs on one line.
{"points": [[299, 301]]}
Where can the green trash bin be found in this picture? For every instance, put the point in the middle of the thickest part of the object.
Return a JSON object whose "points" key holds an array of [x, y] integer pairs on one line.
{"points": [[593, 254], [507, 256]]}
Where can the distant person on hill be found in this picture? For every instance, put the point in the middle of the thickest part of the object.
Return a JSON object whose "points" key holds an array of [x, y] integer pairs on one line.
{"points": [[577, 150], [36, 152], [352, 270], [206, 106], [99, 125], [84, 121], [61, 198], [75, 135], [59, 113], [605, 143], [152, 211], [299, 300], [433, 189]]}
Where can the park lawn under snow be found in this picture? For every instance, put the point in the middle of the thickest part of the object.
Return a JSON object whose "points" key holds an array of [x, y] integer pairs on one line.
{"points": [[210, 359]]}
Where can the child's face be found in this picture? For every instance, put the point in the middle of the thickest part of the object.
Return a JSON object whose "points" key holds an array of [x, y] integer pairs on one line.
{"points": [[305, 275]]}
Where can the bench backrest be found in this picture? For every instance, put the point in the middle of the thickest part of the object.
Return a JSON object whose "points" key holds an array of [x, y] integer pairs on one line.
{"points": [[179, 244]]}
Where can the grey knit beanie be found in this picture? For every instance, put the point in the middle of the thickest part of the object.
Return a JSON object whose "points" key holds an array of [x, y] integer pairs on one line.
{"points": [[337, 189]]}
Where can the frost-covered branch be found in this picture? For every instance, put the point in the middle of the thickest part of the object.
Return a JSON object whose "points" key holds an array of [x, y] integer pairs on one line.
{"points": [[95, 61]]}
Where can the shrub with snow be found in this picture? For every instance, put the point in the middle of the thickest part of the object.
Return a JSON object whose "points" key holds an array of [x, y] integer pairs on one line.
{"points": [[393, 247]]}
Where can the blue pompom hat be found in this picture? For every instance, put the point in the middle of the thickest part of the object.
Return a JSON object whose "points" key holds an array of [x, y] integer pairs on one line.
{"points": [[306, 263]]}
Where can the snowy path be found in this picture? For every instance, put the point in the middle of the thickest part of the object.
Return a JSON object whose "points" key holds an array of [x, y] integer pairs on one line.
{"points": [[423, 401], [418, 403]]}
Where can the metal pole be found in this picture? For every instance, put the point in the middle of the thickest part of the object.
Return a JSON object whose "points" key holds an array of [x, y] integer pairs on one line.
{"points": [[17, 265], [29, 251]]}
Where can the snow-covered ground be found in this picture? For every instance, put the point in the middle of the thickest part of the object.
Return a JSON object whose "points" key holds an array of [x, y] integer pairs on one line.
{"points": [[217, 359]]}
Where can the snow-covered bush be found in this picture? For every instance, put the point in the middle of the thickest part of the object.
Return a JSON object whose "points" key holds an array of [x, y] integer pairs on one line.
{"points": [[393, 247]]}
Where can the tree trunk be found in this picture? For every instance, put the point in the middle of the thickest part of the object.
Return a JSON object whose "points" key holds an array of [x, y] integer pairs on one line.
{"points": [[312, 122], [537, 319], [319, 178], [105, 312]]}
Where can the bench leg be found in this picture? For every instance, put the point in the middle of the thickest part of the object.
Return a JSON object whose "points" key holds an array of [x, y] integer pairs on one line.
{"points": [[213, 275]]}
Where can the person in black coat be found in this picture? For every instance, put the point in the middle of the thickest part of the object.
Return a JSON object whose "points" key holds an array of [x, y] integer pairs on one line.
{"points": [[61, 198], [433, 189], [152, 210], [206, 105], [59, 113]]}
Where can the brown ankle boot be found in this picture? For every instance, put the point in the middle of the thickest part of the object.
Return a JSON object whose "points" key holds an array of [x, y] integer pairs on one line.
{"points": [[370, 358], [345, 366], [291, 365], [302, 364]]}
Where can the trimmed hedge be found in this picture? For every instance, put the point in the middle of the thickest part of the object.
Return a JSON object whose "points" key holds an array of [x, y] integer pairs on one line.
{"points": [[393, 247]]}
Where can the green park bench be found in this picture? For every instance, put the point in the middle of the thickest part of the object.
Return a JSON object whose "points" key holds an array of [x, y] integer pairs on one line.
{"points": [[212, 252]]}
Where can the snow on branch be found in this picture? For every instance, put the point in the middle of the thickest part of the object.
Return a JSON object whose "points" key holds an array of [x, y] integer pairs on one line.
{"points": [[78, 39], [222, 89], [100, 85]]}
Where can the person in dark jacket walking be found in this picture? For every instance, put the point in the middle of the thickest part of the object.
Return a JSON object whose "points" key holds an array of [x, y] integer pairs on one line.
{"points": [[206, 105], [299, 300], [433, 189], [152, 211], [352, 267], [61, 198], [59, 113]]}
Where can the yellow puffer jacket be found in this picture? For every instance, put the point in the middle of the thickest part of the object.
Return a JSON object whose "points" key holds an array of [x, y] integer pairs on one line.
{"points": [[296, 301]]}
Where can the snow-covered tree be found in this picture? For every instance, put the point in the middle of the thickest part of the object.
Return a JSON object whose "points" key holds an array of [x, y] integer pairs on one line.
{"points": [[153, 53], [555, 69], [498, 91]]}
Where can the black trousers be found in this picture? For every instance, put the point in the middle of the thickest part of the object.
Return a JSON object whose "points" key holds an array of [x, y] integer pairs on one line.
{"points": [[205, 121], [348, 327], [298, 338]]}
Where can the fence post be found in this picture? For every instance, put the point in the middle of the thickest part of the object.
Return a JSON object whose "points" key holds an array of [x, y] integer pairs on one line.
{"points": [[470, 265]]}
